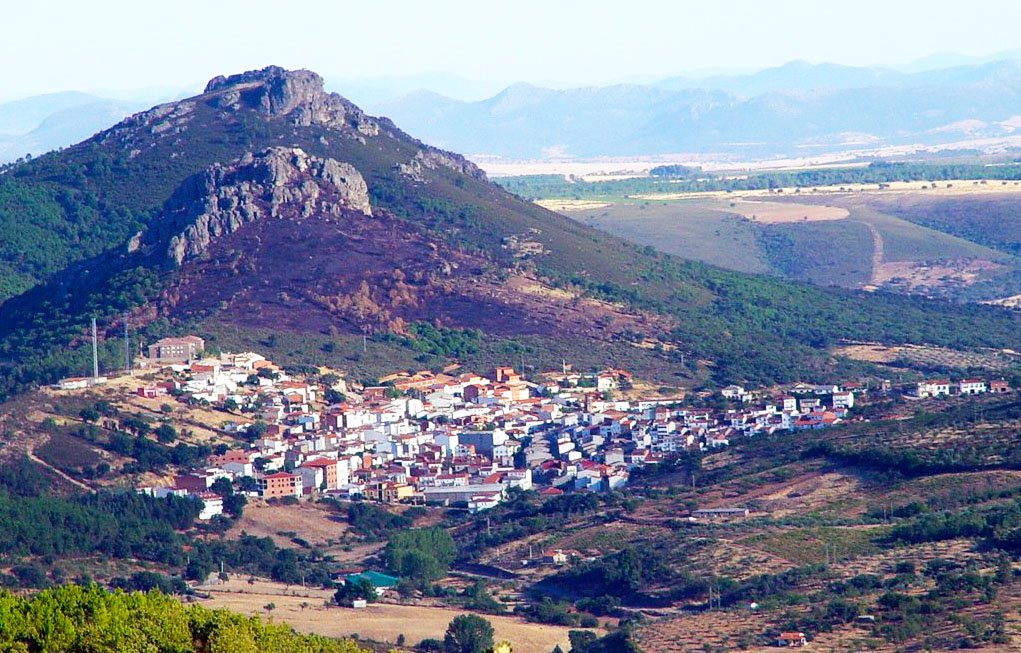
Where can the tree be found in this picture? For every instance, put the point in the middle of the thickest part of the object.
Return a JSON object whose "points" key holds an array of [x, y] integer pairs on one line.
{"points": [[422, 554], [581, 640], [88, 415], [222, 486], [349, 591], [468, 633], [256, 429], [247, 484], [165, 433]]}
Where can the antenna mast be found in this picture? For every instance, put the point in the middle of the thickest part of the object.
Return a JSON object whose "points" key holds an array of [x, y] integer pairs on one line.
{"points": [[95, 351]]}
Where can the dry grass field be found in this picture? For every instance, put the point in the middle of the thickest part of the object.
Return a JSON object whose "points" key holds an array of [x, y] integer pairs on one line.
{"points": [[571, 205], [304, 610], [783, 212], [311, 522], [948, 188], [926, 355]]}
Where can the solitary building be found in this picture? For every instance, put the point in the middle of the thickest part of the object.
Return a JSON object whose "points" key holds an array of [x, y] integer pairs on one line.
{"points": [[176, 350]]}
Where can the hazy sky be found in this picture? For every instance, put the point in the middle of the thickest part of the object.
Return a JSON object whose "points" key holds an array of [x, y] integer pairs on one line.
{"points": [[74, 44]]}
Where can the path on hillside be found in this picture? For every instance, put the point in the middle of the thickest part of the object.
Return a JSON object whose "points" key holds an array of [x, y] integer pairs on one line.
{"points": [[877, 252], [30, 453]]}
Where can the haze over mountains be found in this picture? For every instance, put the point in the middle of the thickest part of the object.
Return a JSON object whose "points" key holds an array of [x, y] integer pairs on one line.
{"points": [[796, 109], [42, 123]]}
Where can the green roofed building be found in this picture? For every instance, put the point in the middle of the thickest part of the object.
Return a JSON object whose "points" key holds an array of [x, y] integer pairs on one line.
{"points": [[381, 582]]}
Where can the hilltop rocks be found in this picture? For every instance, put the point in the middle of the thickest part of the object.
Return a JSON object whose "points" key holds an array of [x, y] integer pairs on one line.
{"points": [[279, 182], [431, 157], [296, 94]]}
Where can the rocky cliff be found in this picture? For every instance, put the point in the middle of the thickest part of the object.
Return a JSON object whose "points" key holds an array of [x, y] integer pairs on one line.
{"points": [[295, 94], [277, 183]]}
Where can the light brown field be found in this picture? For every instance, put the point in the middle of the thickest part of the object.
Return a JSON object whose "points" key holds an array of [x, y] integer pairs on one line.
{"points": [[993, 359], [869, 353], [951, 187], [311, 522], [381, 622], [571, 205], [917, 274], [782, 212]]}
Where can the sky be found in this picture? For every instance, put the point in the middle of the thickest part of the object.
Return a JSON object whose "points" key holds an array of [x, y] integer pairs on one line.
{"points": [[51, 45]]}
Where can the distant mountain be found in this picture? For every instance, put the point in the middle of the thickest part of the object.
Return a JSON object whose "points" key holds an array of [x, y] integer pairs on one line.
{"points": [[63, 127], [779, 111], [792, 76], [40, 123], [372, 91], [24, 115]]}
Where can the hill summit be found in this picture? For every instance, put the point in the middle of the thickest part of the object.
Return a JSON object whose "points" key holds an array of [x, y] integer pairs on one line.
{"points": [[297, 95], [266, 203]]}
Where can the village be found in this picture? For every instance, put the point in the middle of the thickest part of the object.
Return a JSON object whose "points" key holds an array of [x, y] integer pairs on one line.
{"points": [[463, 440]]}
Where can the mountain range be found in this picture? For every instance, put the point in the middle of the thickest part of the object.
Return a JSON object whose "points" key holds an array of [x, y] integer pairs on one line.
{"points": [[266, 204], [796, 109], [37, 124]]}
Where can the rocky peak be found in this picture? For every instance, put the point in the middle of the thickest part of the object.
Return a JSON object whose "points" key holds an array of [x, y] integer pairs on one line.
{"points": [[276, 183], [295, 94]]}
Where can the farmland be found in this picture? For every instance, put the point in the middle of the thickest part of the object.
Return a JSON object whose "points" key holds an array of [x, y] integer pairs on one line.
{"points": [[305, 610], [904, 236]]}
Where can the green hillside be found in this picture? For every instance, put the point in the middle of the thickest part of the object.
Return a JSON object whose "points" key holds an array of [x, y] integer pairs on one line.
{"points": [[82, 204]]}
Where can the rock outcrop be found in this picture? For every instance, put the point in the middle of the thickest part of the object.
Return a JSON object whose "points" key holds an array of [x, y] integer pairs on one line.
{"points": [[295, 94], [277, 183]]}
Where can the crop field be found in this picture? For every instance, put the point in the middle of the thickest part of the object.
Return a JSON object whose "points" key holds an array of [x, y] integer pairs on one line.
{"points": [[847, 236], [305, 610]]}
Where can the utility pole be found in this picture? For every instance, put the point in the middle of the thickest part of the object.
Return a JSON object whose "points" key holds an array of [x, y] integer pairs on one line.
{"points": [[127, 346], [95, 351]]}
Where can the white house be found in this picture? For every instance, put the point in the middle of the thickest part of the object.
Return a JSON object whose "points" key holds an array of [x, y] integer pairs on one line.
{"points": [[933, 388], [971, 387], [843, 400], [212, 505]]}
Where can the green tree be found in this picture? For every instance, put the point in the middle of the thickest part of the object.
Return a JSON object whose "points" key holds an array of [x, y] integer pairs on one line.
{"points": [[421, 554], [581, 640], [468, 633], [88, 415], [165, 433]]}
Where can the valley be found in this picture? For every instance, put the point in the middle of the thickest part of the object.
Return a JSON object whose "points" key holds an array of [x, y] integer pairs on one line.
{"points": [[265, 355]]}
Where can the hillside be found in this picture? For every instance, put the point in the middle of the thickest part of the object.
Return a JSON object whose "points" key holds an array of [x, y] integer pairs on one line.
{"points": [[902, 242], [86, 232]]}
